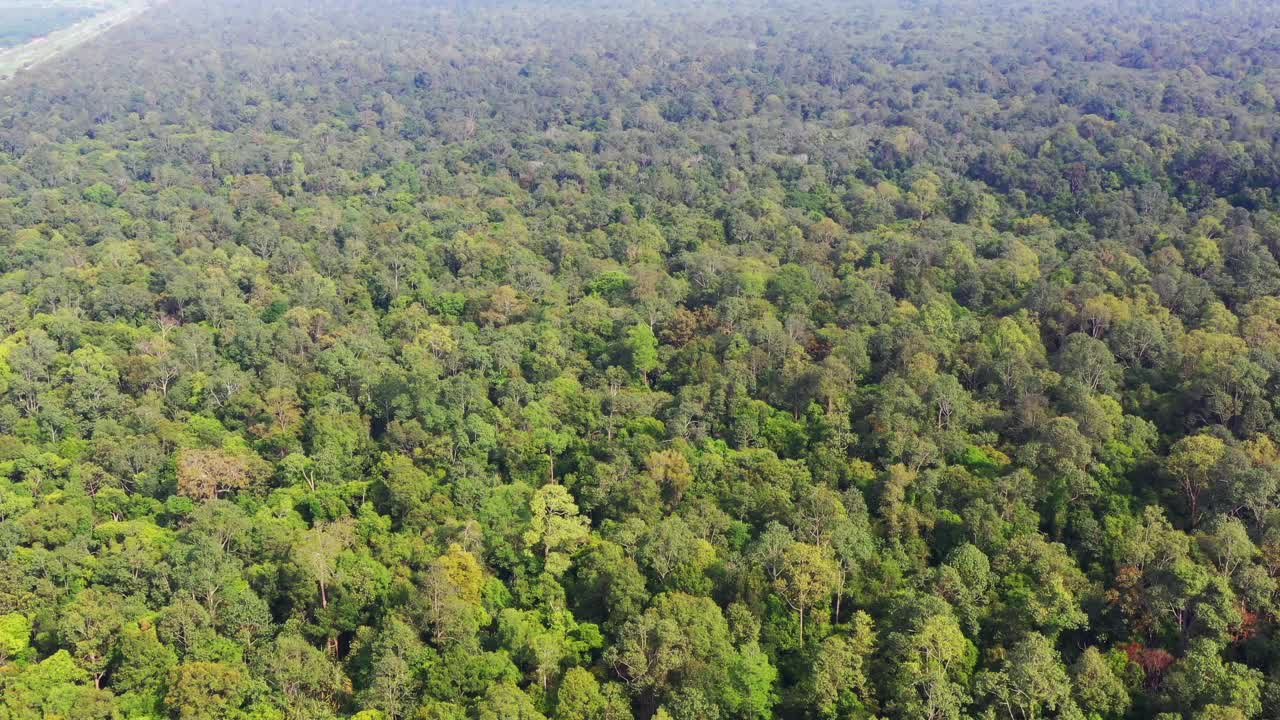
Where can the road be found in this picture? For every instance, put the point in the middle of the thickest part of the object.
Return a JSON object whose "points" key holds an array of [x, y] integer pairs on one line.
{"points": [[33, 53]]}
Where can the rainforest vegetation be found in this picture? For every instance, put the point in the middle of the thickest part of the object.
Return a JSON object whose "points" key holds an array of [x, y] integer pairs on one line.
{"points": [[613, 360]]}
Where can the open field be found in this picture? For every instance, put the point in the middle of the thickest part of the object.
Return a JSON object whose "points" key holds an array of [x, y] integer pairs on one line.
{"points": [[20, 24], [14, 60]]}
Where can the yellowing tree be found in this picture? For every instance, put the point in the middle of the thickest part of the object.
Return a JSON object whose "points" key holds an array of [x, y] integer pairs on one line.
{"points": [[207, 474]]}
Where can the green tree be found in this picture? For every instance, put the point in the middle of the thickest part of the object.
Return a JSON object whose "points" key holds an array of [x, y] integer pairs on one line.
{"points": [[642, 350], [15, 636], [556, 530], [929, 662], [680, 642], [390, 683], [206, 691], [964, 580], [1201, 679], [507, 702], [544, 642], [91, 625], [317, 554], [141, 676], [1040, 587], [607, 586], [1193, 466], [1098, 690], [808, 577], [842, 670], [54, 687], [450, 597], [578, 697], [312, 685], [1031, 682]]}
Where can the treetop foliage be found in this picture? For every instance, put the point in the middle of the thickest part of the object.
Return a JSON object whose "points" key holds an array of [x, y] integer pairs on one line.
{"points": [[586, 360]]}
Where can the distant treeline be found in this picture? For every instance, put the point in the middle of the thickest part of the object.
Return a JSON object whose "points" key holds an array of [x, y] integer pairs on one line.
{"points": [[26, 22]]}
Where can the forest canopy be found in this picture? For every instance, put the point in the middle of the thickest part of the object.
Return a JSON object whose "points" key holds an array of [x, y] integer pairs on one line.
{"points": [[603, 360]]}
